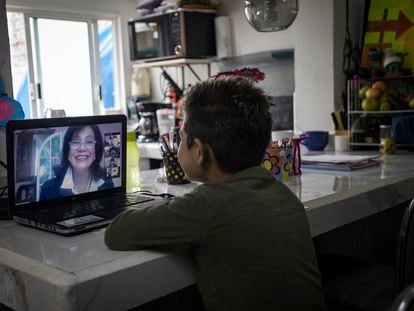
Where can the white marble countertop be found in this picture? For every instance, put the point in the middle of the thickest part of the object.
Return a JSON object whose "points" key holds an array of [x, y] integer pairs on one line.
{"points": [[44, 271]]}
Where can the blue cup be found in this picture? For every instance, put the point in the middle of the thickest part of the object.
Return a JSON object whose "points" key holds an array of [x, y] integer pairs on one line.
{"points": [[317, 140]]}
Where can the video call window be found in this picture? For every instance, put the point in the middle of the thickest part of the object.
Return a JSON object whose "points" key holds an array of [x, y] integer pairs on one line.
{"points": [[47, 161], [112, 154]]}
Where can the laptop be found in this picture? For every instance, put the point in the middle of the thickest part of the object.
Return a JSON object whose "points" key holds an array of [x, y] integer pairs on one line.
{"points": [[68, 175]]}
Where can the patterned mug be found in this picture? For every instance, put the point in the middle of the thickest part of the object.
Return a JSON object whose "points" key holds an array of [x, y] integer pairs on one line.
{"points": [[173, 171]]}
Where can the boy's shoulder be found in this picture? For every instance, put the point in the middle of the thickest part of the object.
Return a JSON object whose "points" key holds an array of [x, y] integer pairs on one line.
{"points": [[250, 178], [247, 177]]}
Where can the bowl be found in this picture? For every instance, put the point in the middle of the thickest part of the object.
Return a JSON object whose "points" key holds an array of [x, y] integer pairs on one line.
{"points": [[316, 140]]}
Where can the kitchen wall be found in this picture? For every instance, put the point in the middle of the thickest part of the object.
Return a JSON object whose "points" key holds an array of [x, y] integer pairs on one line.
{"points": [[310, 36], [5, 70], [316, 37]]}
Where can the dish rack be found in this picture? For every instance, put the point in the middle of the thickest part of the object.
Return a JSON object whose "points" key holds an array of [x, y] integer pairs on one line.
{"points": [[364, 125]]}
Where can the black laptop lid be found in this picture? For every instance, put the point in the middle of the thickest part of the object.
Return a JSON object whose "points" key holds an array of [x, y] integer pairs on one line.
{"points": [[58, 160]]}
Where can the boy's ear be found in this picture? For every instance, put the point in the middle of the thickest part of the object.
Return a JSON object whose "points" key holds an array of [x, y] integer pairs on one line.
{"points": [[203, 153], [200, 150]]}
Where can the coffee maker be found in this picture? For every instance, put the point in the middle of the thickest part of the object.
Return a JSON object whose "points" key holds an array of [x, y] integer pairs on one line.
{"points": [[147, 129]]}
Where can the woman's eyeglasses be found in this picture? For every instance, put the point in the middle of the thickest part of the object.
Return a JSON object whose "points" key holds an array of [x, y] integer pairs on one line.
{"points": [[75, 144]]}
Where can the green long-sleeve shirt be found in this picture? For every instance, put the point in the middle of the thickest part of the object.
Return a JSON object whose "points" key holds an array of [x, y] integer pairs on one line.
{"points": [[250, 240]]}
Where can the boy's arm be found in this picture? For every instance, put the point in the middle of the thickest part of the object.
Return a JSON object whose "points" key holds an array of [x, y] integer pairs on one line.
{"points": [[181, 222]]}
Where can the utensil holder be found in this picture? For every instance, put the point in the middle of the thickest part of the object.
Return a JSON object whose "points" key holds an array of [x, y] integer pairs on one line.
{"points": [[173, 171]]}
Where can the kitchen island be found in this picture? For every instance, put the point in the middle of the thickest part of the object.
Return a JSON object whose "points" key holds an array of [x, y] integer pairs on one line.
{"points": [[44, 271]]}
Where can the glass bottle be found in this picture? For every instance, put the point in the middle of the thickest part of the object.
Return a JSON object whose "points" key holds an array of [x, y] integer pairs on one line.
{"points": [[387, 142], [132, 160]]}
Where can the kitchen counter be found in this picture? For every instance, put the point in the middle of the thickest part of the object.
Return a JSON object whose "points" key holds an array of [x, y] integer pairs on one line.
{"points": [[334, 198], [44, 271], [148, 151]]}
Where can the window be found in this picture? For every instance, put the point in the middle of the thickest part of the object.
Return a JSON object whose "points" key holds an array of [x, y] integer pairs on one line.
{"points": [[63, 63], [50, 157], [18, 57], [106, 59]]}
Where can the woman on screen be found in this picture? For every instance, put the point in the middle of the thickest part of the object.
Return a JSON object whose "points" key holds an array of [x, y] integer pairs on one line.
{"points": [[80, 169]]}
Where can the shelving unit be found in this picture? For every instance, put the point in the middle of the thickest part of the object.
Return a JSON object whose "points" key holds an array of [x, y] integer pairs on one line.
{"points": [[177, 62], [364, 125], [181, 63], [390, 112], [178, 93]]}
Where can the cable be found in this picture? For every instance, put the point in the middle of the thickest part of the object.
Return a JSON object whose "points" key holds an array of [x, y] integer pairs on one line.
{"points": [[163, 86], [161, 195], [3, 164], [2, 190], [351, 56], [351, 53], [172, 83]]}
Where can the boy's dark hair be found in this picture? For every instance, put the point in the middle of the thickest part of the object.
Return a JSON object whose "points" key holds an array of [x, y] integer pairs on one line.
{"points": [[232, 116]]}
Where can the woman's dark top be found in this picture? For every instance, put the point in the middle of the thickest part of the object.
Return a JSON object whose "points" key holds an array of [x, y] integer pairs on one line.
{"points": [[52, 189]]}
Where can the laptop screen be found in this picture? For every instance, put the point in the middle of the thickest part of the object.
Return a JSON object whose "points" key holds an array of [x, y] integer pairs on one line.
{"points": [[66, 158]]}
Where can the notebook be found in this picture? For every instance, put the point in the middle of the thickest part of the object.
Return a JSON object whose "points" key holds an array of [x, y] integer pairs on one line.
{"points": [[68, 175], [337, 162]]}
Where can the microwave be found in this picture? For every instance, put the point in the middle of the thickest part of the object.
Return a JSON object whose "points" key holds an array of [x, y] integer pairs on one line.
{"points": [[175, 34]]}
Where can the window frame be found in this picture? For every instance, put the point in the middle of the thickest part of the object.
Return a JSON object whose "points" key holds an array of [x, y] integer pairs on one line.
{"points": [[93, 36]]}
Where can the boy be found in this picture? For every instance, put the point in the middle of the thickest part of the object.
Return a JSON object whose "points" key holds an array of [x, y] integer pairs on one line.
{"points": [[248, 233]]}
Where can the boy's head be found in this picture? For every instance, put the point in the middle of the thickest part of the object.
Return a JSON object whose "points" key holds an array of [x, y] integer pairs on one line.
{"points": [[231, 116]]}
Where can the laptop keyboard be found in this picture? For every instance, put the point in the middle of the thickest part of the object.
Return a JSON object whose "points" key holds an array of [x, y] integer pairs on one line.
{"points": [[94, 206]]}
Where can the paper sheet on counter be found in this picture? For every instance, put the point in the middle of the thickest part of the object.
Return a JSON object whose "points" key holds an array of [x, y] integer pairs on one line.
{"points": [[337, 158]]}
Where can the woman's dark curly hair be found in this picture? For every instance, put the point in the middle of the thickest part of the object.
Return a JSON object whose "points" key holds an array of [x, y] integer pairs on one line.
{"points": [[95, 167], [232, 116]]}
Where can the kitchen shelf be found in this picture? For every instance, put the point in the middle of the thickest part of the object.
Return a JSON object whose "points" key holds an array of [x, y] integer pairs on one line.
{"points": [[180, 63], [364, 144], [376, 146], [388, 112], [364, 125]]}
